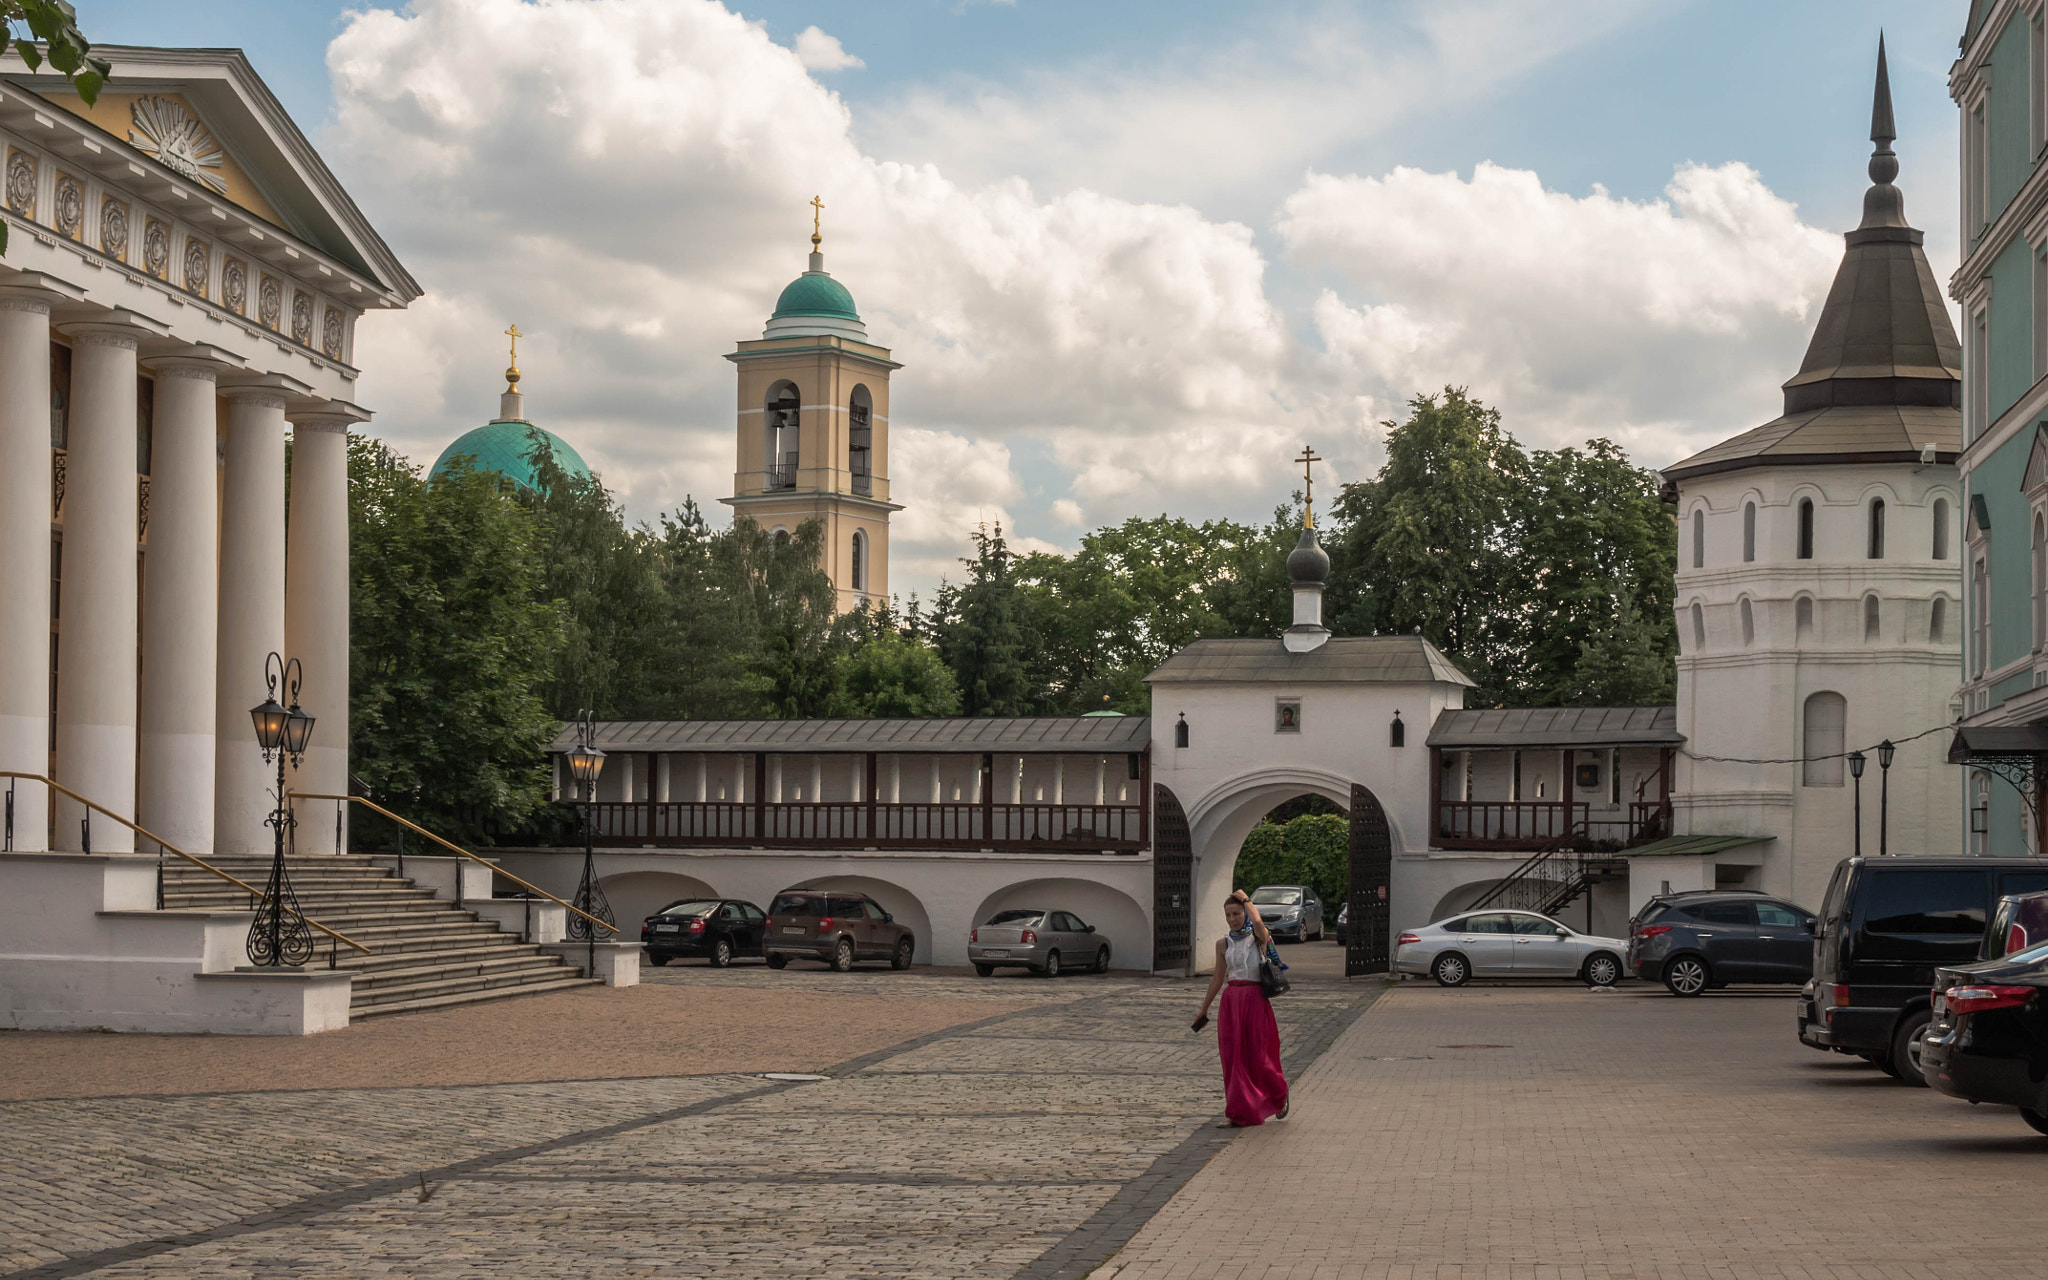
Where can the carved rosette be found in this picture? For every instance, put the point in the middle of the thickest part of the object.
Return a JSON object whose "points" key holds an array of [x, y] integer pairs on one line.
{"points": [[70, 206], [330, 334], [197, 262], [156, 248], [302, 318], [21, 183], [269, 302], [234, 285], [114, 229]]}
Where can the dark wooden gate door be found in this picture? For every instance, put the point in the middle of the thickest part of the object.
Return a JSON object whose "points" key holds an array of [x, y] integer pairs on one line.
{"points": [[1173, 887], [1372, 865]]}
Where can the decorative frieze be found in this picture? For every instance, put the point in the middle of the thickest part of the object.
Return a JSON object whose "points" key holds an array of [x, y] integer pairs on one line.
{"points": [[330, 334], [70, 207], [302, 318], [269, 302], [198, 264], [114, 229], [234, 285], [166, 130], [156, 248], [21, 182]]}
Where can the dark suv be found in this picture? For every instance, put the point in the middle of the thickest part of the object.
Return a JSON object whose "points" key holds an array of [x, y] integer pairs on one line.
{"points": [[1885, 926], [837, 928], [1712, 937]]}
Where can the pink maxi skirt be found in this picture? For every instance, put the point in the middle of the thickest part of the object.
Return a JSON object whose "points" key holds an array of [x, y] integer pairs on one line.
{"points": [[1254, 1091]]}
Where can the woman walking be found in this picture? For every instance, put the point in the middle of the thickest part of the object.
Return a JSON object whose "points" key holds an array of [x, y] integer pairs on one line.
{"points": [[1254, 1090]]}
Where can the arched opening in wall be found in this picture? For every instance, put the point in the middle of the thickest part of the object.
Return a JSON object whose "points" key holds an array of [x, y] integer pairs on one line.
{"points": [[782, 443], [1937, 621], [1825, 727], [1748, 532], [1300, 844], [1873, 620], [1699, 627], [860, 441], [636, 895], [1941, 528], [857, 576], [1748, 623], [1699, 537], [1805, 551], [1802, 619], [1118, 921], [898, 901], [781, 536], [1876, 549]]}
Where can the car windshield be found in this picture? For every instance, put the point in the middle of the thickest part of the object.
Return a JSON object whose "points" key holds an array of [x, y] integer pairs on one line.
{"points": [[1277, 897], [797, 904], [1014, 917], [694, 908]]}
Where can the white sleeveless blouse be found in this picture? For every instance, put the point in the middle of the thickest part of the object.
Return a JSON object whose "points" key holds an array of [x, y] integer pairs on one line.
{"points": [[1241, 957]]}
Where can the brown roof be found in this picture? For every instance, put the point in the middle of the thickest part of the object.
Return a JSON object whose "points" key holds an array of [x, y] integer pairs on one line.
{"points": [[1556, 727]]}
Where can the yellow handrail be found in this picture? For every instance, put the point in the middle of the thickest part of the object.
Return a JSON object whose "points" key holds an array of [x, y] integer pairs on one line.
{"points": [[168, 847], [374, 807]]}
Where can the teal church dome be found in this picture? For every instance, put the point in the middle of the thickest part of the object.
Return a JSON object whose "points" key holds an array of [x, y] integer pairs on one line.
{"points": [[504, 446], [815, 294]]}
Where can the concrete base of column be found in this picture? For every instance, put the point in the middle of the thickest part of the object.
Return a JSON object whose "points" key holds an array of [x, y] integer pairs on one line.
{"points": [[105, 745], [25, 745]]}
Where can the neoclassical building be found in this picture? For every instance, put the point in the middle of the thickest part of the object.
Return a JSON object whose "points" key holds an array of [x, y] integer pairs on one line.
{"points": [[178, 305], [813, 435], [1817, 587]]}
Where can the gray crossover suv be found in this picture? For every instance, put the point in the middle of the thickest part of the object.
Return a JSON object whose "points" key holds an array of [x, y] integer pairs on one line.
{"points": [[1712, 937]]}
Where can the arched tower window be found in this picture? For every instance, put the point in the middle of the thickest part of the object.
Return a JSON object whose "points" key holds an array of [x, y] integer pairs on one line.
{"points": [[1873, 620], [1937, 621], [1699, 537], [1748, 623], [1748, 532], [1802, 618], [1826, 727], [858, 577], [1806, 528], [1877, 529], [1699, 626], [1941, 528], [860, 441], [783, 445]]}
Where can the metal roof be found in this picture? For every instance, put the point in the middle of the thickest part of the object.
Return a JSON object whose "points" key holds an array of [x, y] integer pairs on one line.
{"points": [[1557, 727], [1995, 740], [1689, 846], [1341, 660], [1091, 735]]}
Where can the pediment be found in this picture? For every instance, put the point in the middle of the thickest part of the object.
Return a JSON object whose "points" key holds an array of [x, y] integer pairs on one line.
{"points": [[2035, 478]]}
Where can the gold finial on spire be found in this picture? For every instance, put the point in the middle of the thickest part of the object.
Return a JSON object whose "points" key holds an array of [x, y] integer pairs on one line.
{"points": [[1308, 476], [817, 214], [512, 370]]}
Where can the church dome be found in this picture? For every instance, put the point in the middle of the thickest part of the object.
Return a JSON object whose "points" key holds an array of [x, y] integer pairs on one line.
{"points": [[1308, 563], [504, 447], [815, 305]]}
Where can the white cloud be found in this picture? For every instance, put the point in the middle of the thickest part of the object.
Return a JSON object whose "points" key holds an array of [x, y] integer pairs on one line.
{"points": [[821, 52]]}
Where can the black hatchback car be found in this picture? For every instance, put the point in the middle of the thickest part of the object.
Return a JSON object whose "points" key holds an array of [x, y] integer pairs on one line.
{"points": [[718, 929], [1712, 937], [1988, 1041]]}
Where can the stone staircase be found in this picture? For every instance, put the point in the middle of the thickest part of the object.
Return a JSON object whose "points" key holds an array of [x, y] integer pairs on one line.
{"points": [[425, 952]]}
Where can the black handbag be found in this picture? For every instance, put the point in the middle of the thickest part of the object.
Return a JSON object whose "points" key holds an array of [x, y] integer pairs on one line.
{"points": [[1271, 980]]}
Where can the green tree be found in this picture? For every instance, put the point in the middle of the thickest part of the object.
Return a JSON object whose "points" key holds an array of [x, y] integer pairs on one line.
{"points": [[47, 30], [789, 599], [1313, 849], [886, 673], [1626, 662], [982, 633], [449, 639]]}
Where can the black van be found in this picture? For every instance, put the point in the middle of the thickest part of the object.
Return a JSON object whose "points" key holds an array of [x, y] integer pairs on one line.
{"points": [[1885, 926]]}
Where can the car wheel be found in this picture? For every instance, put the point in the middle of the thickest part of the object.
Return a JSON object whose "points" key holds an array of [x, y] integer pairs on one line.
{"points": [[1102, 960], [721, 953], [1450, 970], [904, 950], [1601, 970], [1052, 965], [842, 959], [985, 970], [656, 960], [777, 960], [1686, 976], [2035, 1120], [1906, 1049]]}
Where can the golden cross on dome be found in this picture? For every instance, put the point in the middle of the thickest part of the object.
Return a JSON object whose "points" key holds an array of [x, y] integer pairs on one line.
{"points": [[512, 371], [817, 214], [1308, 476]]}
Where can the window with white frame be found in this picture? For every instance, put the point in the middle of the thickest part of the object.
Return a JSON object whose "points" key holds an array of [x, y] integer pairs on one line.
{"points": [[1980, 611], [1977, 390], [1976, 178], [2038, 573]]}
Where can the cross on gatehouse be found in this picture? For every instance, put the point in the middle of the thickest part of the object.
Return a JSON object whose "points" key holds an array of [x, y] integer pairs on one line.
{"points": [[1308, 477]]}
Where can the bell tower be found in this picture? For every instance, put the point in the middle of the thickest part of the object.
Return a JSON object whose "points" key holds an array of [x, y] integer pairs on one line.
{"points": [[813, 434]]}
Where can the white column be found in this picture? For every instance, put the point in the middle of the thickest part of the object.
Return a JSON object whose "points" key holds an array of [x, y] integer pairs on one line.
{"points": [[251, 614], [938, 790], [774, 779], [1059, 779], [180, 609], [703, 781], [97, 636], [739, 779], [1017, 781], [1101, 777], [816, 794], [663, 770], [895, 779], [25, 500], [316, 599]]}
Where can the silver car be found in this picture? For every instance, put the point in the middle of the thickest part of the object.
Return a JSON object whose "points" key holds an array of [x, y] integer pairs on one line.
{"points": [[1292, 912], [1507, 944], [1036, 938]]}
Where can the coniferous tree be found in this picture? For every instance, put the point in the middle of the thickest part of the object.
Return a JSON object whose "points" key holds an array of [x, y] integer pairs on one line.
{"points": [[983, 636]]}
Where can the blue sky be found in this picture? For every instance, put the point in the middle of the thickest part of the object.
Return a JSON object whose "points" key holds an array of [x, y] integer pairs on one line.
{"points": [[1610, 166]]}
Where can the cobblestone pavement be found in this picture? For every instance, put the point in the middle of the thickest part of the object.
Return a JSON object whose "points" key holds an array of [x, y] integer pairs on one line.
{"points": [[1560, 1133], [1030, 1138]]}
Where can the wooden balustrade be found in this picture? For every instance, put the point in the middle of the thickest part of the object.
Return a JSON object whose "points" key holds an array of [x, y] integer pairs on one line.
{"points": [[1044, 828]]}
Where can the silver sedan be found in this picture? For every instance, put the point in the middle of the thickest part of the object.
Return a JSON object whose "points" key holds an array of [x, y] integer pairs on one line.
{"points": [[1036, 938], [1507, 944]]}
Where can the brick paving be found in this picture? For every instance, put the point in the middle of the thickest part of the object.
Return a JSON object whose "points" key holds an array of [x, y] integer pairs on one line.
{"points": [[1001, 1127], [1603, 1134]]}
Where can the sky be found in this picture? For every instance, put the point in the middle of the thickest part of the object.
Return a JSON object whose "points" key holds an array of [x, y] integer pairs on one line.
{"points": [[1132, 256]]}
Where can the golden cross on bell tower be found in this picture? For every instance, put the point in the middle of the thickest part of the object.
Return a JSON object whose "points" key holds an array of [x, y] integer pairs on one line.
{"points": [[817, 213], [512, 370], [1308, 476]]}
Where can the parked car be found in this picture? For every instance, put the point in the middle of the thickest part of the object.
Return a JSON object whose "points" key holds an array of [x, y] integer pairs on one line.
{"points": [[836, 928], [1292, 912], [1507, 944], [1039, 939], [1344, 925], [1988, 1041], [1710, 938], [1884, 927], [2019, 921], [718, 929]]}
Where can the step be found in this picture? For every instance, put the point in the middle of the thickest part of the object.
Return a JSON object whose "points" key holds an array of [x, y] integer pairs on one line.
{"points": [[401, 900], [428, 988], [479, 997], [410, 965], [403, 985]]}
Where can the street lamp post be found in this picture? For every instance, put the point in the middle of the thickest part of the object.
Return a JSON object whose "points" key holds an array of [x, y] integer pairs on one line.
{"points": [[585, 763], [1884, 795], [279, 935], [1856, 773]]}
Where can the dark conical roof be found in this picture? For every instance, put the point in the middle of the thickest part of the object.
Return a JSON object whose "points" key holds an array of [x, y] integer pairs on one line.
{"points": [[1308, 563], [1883, 375]]}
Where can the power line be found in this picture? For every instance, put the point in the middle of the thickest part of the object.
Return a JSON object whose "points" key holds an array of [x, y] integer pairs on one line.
{"points": [[1837, 755]]}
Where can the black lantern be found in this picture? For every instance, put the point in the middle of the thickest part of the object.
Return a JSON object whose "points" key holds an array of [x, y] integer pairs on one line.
{"points": [[270, 721], [298, 731], [585, 763], [1856, 765], [279, 935], [1884, 754], [1884, 796]]}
